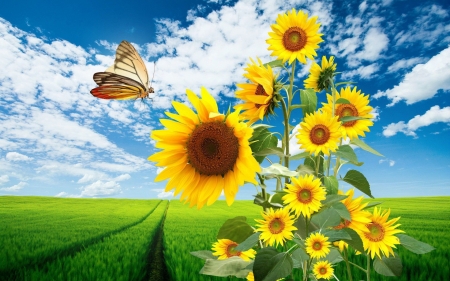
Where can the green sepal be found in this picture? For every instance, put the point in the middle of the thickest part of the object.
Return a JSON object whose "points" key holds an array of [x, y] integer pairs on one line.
{"points": [[343, 101], [345, 119]]}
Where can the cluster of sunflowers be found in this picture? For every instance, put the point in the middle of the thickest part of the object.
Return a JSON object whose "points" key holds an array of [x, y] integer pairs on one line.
{"points": [[308, 223]]}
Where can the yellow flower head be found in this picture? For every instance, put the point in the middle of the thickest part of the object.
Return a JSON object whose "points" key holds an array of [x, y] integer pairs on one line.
{"points": [[323, 269], [319, 132], [381, 234], [294, 36], [358, 107], [319, 77], [204, 153], [304, 195], [359, 217], [225, 248], [276, 227], [259, 96], [317, 245]]}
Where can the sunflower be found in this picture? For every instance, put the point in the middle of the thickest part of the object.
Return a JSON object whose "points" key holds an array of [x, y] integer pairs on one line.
{"points": [[343, 245], [317, 245], [358, 106], [225, 248], [304, 195], [294, 36], [381, 234], [277, 226], [323, 269], [319, 77], [319, 132], [260, 95], [359, 217], [204, 153]]}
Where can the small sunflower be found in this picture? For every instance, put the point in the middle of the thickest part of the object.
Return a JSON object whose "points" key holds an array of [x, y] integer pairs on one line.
{"points": [[359, 217], [358, 107], [319, 132], [250, 276], [259, 96], [304, 195], [225, 248], [319, 77], [276, 227], [204, 153], [294, 36], [381, 234], [317, 245], [323, 269]]}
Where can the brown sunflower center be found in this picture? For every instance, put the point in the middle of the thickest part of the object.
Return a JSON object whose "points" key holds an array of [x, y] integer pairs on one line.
{"points": [[319, 134], [304, 196], [294, 39], [317, 246], [213, 148], [345, 110], [260, 92], [276, 226], [231, 250], [376, 232], [323, 270]]}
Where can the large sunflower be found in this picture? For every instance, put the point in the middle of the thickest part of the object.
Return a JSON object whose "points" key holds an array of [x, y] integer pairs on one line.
{"points": [[259, 96], [294, 36], [304, 195], [276, 227], [319, 77], [323, 269], [358, 107], [319, 132], [225, 248], [204, 153], [359, 217], [381, 234], [317, 245]]}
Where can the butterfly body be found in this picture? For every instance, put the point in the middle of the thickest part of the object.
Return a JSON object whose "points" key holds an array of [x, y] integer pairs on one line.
{"points": [[126, 79]]}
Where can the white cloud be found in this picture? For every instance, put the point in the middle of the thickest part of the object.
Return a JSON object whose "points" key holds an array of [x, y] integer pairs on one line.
{"points": [[62, 194], [15, 156], [4, 179], [404, 63], [122, 177], [101, 188], [364, 72], [162, 193], [389, 161], [15, 188], [434, 115], [423, 81], [375, 42]]}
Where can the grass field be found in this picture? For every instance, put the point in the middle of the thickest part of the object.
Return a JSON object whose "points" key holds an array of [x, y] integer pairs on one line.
{"points": [[110, 239]]}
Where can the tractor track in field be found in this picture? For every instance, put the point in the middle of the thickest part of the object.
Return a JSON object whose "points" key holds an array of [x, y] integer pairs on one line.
{"points": [[156, 264], [16, 273]]}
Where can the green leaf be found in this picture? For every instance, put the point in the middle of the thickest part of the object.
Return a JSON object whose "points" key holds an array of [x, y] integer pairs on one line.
{"points": [[204, 255], [296, 106], [364, 146], [262, 140], [345, 119], [275, 63], [346, 152], [270, 265], [371, 204], [300, 224], [300, 255], [270, 151], [308, 98], [326, 218], [414, 245], [251, 241], [331, 184], [391, 266], [236, 229], [304, 170], [356, 241], [299, 156], [278, 170], [334, 256], [234, 266], [341, 210], [265, 203], [336, 234], [359, 181], [277, 197], [344, 83], [343, 101], [332, 198]]}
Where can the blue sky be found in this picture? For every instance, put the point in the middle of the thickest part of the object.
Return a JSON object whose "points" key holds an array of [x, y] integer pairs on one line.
{"points": [[58, 140]]}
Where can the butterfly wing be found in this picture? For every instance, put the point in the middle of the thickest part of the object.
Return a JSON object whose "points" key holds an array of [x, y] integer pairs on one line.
{"points": [[129, 63], [115, 86]]}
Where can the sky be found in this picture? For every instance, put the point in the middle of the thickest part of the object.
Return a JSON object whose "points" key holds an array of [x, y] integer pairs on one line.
{"points": [[56, 139]]}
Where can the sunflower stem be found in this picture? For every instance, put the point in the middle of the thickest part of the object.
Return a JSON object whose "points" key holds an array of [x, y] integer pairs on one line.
{"points": [[368, 268], [355, 265], [349, 271], [286, 135]]}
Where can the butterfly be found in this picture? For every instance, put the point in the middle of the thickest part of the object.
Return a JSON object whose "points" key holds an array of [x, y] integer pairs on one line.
{"points": [[126, 79]]}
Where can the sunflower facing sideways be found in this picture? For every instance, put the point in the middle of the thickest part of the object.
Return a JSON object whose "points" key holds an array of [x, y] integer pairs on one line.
{"points": [[358, 106], [294, 36], [225, 248], [319, 132], [276, 227], [204, 153], [261, 95], [304, 195], [319, 76], [381, 234]]}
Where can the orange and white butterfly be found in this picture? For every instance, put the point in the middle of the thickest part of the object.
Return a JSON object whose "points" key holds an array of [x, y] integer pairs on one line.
{"points": [[126, 79]]}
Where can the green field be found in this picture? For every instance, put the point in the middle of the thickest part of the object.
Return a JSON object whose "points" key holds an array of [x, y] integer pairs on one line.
{"points": [[114, 239]]}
